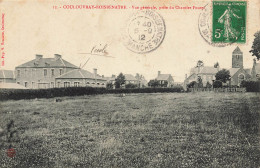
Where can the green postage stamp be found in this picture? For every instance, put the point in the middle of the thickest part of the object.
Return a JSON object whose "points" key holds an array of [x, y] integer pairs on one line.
{"points": [[229, 21]]}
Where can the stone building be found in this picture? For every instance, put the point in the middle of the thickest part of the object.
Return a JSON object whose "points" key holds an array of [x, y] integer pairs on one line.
{"points": [[40, 72], [237, 72], [80, 78], [166, 79]]}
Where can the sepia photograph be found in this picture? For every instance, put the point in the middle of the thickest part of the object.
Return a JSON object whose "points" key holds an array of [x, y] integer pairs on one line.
{"points": [[129, 83]]}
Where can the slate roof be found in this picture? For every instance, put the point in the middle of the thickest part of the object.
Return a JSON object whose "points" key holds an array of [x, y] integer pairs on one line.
{"points": [[7, 74], [237, 51], [163, 77], [233, 71], [79, 74], [47, 62], [129, 77], [208, 70]]}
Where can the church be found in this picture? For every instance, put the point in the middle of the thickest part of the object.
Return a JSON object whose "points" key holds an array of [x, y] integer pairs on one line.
{"points": [[237, 72]]}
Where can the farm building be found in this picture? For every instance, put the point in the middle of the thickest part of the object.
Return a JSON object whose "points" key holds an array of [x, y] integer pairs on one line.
{"points": [[80, 78]]}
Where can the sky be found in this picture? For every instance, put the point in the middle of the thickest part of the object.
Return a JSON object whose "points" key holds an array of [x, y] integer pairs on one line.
{"points": [[34, 27]]}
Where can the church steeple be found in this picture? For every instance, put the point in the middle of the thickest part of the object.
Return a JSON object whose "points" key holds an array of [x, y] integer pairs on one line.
{"points": [[237, 58]]}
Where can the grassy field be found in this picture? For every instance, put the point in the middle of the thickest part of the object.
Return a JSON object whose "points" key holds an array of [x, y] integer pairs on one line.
{"points": [[138, 130]]}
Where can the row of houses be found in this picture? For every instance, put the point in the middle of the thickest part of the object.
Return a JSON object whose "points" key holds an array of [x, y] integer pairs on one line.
{"points": [[41, 73], [238, 73]]}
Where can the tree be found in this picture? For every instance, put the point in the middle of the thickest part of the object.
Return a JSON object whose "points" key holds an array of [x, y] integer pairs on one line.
{"points": [[255, 50], [192, 84], [223, 75], [140, 78], [200, 63], [120, 80], [199, 80], [154, 83], [109, 85], [216, 65], [217, 84], [208, 85]]}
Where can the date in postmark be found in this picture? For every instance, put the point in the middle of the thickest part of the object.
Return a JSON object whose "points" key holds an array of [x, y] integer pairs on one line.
{"points": [[229, 21], [144, 31]]}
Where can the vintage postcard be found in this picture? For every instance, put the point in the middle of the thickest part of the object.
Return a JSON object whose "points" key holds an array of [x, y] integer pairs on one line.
{"points": [[129, 83]]}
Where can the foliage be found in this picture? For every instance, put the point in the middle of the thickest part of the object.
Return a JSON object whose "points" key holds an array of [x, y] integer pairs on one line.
{"points": [[17, 94], [192, 84], [109, 85], [217, 84], [208, 85], [164, 84], [131, 85], [154, 83], [200, 63], [200, 84], [216, 65], [120, 80], [255, 50], [251, 86], [223, 75], [140, 78]]}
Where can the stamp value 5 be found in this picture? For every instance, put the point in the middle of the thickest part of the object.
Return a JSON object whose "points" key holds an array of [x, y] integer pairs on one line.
{"points": [[229, 21]]}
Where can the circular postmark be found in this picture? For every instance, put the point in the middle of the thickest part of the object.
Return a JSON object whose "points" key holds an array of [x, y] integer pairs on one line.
{"points": [[144, 31], [205, 28]]}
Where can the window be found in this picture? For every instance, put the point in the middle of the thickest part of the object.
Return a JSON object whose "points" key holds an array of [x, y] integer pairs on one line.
{"points": [[76, 84], [25, 84], [66, 84], [52, 84], [18, 82], [237, 56], [61, 71], [45, 72], [58, 84], [33, 85], [52, 72], [18, 73]]}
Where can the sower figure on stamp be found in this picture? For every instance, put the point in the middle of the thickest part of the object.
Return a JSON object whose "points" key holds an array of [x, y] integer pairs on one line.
{"points": [[227, 16]]}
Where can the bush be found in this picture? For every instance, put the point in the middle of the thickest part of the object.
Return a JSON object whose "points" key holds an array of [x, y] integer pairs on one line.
{"points": [[16, 94], [130, 85], [217, 84], [251, 86], [192, 84], [208, 85]]}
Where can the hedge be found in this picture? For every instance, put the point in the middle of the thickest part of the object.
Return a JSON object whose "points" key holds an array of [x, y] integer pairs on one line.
{"points": [[251, 86], [17, 94]]}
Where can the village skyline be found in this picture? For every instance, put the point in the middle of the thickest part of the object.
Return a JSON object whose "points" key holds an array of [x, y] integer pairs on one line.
{"points": [[69, 33]]}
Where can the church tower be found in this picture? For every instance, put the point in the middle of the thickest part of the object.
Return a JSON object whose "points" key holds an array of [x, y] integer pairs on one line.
{"points": [[237, 58]]}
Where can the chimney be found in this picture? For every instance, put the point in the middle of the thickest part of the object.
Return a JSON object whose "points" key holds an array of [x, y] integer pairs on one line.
{"points": [[103, 76], [57, 56], [95, 74], [159, 73], [38, 56]]}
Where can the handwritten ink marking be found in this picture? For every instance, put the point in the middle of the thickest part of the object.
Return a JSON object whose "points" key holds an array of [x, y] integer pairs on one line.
{"points": [[100, 50], [2, 40]]}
